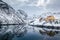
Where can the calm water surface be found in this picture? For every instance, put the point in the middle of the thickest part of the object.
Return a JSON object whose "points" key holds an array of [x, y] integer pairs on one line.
{"points": [[32, 34], [35, 34]]}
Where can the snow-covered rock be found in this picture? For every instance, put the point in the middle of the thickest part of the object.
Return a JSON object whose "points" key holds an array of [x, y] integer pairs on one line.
{"points": [[44, 16]]}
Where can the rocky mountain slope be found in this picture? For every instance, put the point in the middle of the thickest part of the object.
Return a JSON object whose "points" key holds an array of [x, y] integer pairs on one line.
{"points": [[9, 16]]}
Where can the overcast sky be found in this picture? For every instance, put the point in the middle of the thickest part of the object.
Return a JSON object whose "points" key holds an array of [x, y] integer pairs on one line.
{"points": [[35, 7]]}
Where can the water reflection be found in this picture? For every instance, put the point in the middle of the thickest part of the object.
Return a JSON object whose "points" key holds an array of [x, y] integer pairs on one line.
{"points": [[23, 32], [49, 33], [8, 32]]}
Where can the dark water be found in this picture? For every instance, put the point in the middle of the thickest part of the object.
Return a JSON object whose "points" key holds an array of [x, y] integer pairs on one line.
{"points": [[35, 35], [32, 34]]}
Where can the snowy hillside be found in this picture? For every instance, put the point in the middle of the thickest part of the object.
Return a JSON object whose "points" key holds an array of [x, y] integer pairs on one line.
{"points": [[48, 19], [9, 15]]}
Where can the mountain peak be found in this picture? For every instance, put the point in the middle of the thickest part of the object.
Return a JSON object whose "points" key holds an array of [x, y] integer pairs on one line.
{"points": [[3, 5]]}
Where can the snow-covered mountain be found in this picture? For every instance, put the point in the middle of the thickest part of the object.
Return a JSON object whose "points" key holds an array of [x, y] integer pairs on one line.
{"points": [[42, 19], [9, 15]]}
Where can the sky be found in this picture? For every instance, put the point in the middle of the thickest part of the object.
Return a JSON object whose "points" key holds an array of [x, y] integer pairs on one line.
{"points": [[35, 7]]}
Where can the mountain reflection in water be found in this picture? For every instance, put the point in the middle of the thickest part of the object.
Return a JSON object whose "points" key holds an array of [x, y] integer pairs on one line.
{"points": [[29, 33]]}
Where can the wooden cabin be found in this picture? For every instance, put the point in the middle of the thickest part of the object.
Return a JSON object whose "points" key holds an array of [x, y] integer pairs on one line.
{"points": [[49, 18]]}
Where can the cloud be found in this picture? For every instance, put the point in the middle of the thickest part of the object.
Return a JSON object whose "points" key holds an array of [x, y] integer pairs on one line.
{"points": [[37, 3], [46, 4], [28, 2], [23, 0], [40, 3], [54, 5]]}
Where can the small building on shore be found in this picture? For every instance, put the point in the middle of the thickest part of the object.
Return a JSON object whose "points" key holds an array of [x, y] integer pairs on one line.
{"points": [[50, 18]]}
